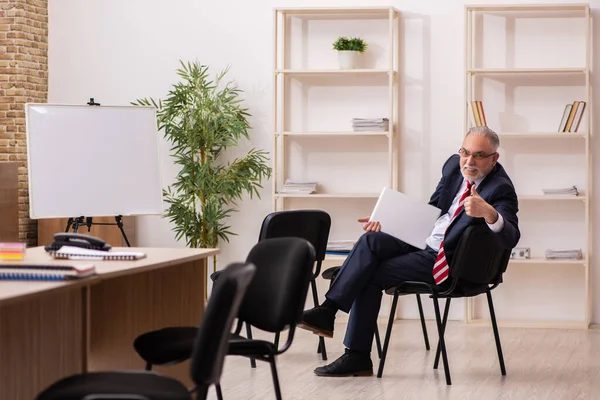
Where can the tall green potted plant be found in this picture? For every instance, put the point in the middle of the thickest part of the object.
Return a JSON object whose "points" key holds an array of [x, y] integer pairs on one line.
{"points": [[201, 118]]}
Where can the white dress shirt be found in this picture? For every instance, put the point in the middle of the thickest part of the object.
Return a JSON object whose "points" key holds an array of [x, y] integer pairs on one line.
{"points": [[435, 239]]}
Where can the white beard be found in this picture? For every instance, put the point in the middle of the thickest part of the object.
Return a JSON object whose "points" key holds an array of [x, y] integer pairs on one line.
{"points": [[471, 169]]}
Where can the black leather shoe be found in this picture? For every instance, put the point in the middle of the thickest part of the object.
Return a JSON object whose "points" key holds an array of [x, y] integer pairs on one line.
{"points": [[349, 364], [318, 320]]}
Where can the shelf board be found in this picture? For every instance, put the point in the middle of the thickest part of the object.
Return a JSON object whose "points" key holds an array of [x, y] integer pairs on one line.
{"points": [[531, 324], [334, 71], [329, 195], [543, 261], [515, 71], [544, 135], [552, 197], [530, 7], [335, 257], [341, 133], [357, 12]]}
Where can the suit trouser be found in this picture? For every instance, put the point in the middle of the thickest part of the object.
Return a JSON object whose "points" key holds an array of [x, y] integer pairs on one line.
{"points": [[378, 261]]}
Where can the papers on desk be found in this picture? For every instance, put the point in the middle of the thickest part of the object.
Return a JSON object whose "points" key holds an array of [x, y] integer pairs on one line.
{"points": [[34, 272], [77, 253]]}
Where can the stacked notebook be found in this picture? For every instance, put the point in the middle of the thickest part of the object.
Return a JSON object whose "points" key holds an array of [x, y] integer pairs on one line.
{"points": [[77, 253], [12, 251], [32, 272]]}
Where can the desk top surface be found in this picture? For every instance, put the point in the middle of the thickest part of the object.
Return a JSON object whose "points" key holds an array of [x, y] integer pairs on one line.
{"points": [[155, 258]]}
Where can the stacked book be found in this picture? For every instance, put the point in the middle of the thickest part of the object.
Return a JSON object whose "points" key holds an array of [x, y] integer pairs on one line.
{"points": [[339, 246], [298, 187], [574, 254], [12, 251], [370, 124], [572, 191], [44, 272]]}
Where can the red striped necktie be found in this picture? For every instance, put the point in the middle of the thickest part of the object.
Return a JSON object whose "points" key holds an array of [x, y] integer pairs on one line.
{"points": [[441, 269]]}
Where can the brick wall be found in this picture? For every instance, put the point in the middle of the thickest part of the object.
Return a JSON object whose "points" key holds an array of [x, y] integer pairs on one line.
{"points": [[23, 78]]}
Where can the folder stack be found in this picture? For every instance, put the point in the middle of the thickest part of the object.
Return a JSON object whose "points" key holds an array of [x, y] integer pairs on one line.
{"points": [[12, 251]]}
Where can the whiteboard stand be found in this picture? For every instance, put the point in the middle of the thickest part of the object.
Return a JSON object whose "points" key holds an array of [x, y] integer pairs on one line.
{"points": [[78, 221]]}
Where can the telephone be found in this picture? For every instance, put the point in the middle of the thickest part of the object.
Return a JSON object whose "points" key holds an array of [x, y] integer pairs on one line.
{"points": [[77, 240]]}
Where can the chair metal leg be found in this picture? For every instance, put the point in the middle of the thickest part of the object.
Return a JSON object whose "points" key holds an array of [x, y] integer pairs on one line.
{"points": [[445, 319], [377, 341], [275, 378], [219, 392], [388, 334], [249, 336], [496, 334], [276, 341], [201, 392], [440, 327], [321, 346], [148, 366], [423, 326]]}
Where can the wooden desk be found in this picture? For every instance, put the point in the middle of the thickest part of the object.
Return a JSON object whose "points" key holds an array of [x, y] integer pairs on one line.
{"points": [[49, 330]]}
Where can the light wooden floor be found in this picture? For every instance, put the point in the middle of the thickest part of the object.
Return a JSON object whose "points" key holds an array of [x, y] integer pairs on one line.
{"points": [[540, 363]]}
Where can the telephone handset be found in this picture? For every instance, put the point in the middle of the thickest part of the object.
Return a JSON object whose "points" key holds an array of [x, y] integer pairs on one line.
{"points": [[77, 240]]}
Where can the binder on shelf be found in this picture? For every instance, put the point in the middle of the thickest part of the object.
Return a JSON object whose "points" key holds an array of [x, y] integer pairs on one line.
{"points": [[478, 113], [77, 253], [578, 115], [34, 272], [565, 117]]}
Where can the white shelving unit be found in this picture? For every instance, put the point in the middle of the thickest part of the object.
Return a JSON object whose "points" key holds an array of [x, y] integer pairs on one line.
{"points": [[525, 77], [315, 101]]}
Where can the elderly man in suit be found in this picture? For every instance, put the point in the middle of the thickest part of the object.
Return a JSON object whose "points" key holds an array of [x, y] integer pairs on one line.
{"points": [[474, 189]]}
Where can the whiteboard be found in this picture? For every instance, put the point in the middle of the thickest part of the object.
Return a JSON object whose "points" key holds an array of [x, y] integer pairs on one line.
{"points": [[92, 161]]}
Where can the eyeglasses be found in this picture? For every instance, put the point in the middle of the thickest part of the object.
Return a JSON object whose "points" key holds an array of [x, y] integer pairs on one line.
{"points": [[476, 156]]}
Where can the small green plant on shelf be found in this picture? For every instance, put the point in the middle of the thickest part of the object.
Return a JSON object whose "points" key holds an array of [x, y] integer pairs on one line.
{"points": [[350, 44], [349, 50]]}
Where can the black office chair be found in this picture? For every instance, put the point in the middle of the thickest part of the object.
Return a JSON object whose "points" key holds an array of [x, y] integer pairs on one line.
{"points": [[477, 267], [312, 225], [173, 345], [331, 273], [210, 348], [275, 299]]}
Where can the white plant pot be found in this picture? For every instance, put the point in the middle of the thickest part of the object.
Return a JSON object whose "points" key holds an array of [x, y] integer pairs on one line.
{"points": [[348, 59]]}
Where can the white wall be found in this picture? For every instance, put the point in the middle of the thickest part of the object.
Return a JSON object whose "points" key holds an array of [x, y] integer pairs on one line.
{"points": [[117, 51]]}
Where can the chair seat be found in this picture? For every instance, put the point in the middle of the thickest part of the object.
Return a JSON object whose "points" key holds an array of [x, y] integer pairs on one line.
{"points": [[241, 346], [166, 346], [148, 384], [462, 289], [330, 273]]}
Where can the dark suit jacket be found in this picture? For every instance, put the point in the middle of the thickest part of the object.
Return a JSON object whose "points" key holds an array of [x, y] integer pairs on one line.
{"points": [[496, 188]]}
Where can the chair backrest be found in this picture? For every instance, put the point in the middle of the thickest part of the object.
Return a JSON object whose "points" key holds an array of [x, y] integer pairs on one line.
{"points": [[212, 340], [480, 257], [312, 225], [276, 296]]}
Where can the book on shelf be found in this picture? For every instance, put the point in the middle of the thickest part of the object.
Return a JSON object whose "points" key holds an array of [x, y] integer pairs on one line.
{"points": [[299, 187], [35, 272], [570, 191], [572, 115], [370, 124], [340, 245], [78, 253], [568, 254], [478, 113]]}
